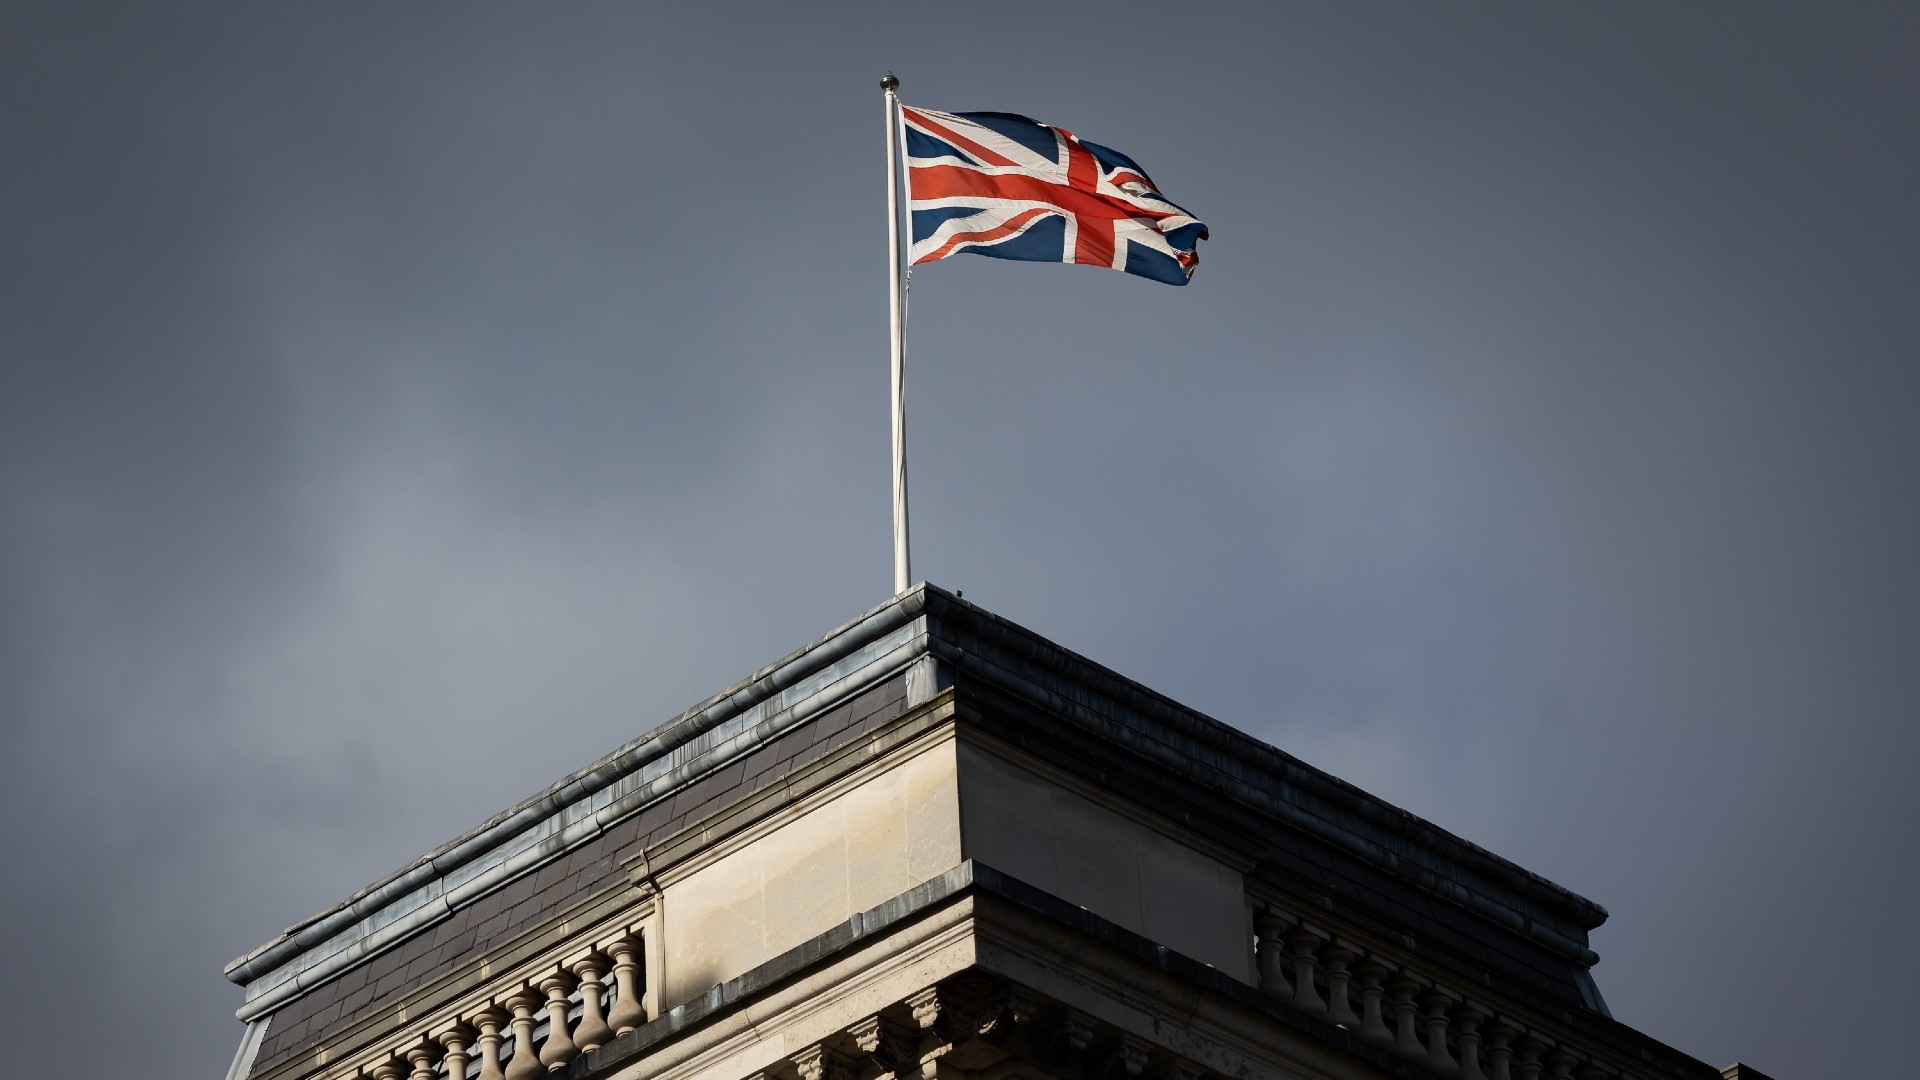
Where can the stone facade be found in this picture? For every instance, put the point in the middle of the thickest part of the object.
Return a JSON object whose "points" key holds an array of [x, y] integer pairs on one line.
{"points": [[934, 845]]}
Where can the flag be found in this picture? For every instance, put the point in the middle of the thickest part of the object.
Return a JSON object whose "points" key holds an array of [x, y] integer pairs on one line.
{"points": [[1009, 187]]}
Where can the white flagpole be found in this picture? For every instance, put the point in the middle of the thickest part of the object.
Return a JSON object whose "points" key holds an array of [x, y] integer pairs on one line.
{"points": [[897, 324]]}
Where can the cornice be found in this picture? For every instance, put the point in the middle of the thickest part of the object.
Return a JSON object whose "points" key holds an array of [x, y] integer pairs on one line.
{"points": [[871, 649], [933, 638]]}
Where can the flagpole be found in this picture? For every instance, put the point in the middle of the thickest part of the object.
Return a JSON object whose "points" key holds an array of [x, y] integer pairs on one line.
{"points": [[897, 325]]}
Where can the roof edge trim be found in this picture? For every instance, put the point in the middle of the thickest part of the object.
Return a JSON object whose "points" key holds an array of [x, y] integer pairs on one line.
{"points": [[530, 813]]}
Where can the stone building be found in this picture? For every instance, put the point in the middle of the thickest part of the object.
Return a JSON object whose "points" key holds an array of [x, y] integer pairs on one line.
{"points": [[933, 845]]}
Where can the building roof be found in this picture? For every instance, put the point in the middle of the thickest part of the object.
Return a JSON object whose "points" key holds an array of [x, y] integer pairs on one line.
{"points": [[1309, 835]]}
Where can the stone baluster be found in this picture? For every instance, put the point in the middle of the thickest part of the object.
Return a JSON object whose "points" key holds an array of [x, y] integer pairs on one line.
{"points": [[1306, 996], [391, 1069], [1339, 1002], [1500, 1052], [560, 1048], [489, 1021], [525, 1064], [423, 1056], [1439, 1059], [1272, 957], [1529, 1057], [1373, 1026], [593, 1031], [628, 1011], [1466, 1022], [1560, 1064], [454, 1044], [1406, 1039]]}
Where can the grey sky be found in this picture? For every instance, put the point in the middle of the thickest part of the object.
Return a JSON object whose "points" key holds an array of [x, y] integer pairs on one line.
{"points": [[401, 405]]}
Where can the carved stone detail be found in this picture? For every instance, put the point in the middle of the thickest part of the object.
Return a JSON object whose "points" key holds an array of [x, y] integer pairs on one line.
{"points": [[1068, 1034], [1180, 1068], [823, 1062], [1022, 1007], [891, 1045], [966, 1008], [925, 1005], [1125, 1058]]}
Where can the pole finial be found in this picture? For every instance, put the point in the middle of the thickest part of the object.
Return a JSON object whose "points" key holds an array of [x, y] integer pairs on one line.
{"points": [[889, 84]]}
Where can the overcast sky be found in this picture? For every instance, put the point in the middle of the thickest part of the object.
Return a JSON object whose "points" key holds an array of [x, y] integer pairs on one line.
{"points": [[401, 405]]}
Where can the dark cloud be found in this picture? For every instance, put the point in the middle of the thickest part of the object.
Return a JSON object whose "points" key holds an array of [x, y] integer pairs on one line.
{"points": [[402, 406]]}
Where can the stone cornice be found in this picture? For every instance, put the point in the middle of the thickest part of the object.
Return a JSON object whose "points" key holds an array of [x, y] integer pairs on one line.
{"points": [[877, 646], [993, 896], [1061, 683], [912, 634]]}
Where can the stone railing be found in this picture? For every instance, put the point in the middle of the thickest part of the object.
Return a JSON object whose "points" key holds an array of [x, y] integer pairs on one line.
{"points": [[1396, 1003], [971, 1024], [526, 1026]]}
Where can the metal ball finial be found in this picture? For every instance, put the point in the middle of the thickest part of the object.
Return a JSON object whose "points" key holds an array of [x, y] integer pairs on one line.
{"points": [[889, 84]]}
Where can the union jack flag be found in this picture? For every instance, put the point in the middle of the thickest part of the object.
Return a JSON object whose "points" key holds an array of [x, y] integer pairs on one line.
{"points": [[1008, 187]]}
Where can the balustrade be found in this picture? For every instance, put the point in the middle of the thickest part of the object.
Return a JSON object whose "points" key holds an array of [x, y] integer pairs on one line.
{"points": [[1438, 1028], [531, 1027], [1403, 1010]]}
